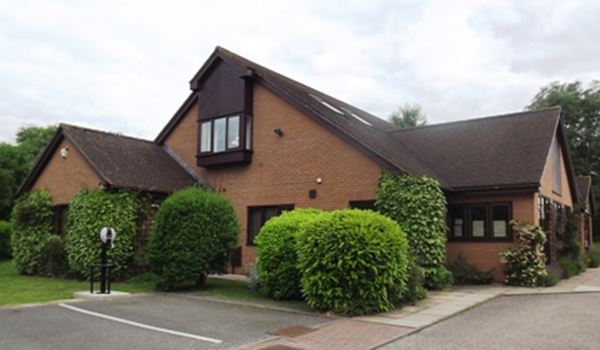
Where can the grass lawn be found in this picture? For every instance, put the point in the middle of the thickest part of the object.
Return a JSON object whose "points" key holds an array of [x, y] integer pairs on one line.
{"points": [[238, 290], [18, 289]]}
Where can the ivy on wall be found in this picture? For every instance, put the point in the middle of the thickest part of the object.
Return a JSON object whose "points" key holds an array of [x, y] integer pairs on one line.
{"points": [[419, 206], [32, 227], [89, 211]]}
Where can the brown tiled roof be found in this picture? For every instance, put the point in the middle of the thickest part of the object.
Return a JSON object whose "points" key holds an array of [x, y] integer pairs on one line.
{"points": [[584, 190], [505, 151], [499, 151], [120, 161]]}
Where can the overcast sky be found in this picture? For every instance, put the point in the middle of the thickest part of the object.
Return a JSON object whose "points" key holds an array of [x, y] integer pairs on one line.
{"points": [[126, 68]]}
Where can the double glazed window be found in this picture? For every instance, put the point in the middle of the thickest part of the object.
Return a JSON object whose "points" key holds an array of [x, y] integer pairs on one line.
{"points": [[257, 216], [60, 219], [479, 222], [224, 134]]}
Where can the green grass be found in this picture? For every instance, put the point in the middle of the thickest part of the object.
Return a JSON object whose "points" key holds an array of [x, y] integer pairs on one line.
{"points": [[18, 289], [238, 290]]}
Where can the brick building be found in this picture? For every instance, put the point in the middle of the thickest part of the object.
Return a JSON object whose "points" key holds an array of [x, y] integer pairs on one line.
{"points": [[270, 143]]}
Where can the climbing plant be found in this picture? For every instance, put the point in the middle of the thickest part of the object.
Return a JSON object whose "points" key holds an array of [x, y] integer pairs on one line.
{"points": [[419, 206], [526, 264]]}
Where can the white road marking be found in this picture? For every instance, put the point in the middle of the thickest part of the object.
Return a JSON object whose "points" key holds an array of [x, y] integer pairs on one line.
{"points": [[141, 325]]}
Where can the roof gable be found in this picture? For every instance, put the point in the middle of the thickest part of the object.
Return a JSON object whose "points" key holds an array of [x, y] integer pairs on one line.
{"points": [[119, 161], [585, 195]]}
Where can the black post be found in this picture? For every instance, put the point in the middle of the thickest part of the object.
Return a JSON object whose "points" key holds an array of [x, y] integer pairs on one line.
{"points": [[103, 268]]}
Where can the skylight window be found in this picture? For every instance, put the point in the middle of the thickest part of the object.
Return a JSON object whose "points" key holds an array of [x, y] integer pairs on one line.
{"points": [[357, 117], [327, 104]]}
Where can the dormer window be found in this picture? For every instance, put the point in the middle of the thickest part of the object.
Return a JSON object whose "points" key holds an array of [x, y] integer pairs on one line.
{"points": [[225, 136]]}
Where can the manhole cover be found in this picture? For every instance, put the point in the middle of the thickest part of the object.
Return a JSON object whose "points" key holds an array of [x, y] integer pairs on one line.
{"points": [[293, 331]]}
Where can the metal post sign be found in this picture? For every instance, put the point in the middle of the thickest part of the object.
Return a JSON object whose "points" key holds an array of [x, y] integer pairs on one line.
{"points": [[107, 237]]}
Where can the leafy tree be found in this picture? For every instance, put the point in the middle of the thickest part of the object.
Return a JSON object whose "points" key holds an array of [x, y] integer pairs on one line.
{"points": [[581, 117], [16, 161], [408, 115]]}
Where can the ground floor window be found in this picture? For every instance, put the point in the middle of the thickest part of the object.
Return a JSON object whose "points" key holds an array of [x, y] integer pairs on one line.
{"points": [[366, 204], [257, 216], [60, 219], [475, 222]]}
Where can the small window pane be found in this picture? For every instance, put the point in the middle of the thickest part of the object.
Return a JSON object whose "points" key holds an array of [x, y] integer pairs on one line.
{"points": [[248, 131], [500, 220], [205, 137], [233, 132], [556, 175], [219, 141], [457, 221], [254, 223], [478, 221]]}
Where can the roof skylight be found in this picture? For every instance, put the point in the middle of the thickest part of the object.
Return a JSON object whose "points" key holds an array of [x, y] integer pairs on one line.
{"points": [[357, 117], [327, 104]]}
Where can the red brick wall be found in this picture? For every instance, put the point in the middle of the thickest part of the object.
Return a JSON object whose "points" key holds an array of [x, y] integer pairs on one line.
{"points": [[64, 177], [285, 168], [486, 254]]}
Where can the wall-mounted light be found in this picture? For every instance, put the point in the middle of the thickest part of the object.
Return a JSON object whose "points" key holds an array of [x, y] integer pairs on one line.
{"points": [[319, 180], [64, 152], [278, 131]]}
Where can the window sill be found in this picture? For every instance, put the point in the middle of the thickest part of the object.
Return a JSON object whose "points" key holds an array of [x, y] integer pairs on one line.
{"points": [[227, 157]]}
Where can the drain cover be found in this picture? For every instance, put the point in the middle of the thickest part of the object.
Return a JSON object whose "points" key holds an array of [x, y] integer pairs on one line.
{"points": [[293, 331]]}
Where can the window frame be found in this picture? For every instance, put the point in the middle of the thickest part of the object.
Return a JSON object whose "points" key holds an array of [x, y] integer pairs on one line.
{"points": [[488, 235], [250, 236], [60, 215], [242, 134]]}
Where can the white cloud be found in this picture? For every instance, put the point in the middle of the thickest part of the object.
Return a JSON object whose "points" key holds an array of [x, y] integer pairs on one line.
{"points": [[124, 66]]}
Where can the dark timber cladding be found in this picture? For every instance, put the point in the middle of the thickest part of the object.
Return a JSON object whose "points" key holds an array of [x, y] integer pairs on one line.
{"points": [[224, 90]]}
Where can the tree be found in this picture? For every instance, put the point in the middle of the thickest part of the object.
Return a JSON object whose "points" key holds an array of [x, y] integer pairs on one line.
{"points": [[408, 115], [17, 160], [581, 117]]}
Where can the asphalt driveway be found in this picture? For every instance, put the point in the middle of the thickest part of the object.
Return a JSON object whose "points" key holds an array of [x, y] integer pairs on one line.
{"points": [[559, 321], [142, 322]]}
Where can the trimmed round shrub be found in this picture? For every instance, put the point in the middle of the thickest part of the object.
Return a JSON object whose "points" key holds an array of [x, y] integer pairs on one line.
{"points": [[353, 262], [418, 204], [277, 261], [89, 212], [32, 226], [192, 234], [54, 258], [5, 234]]}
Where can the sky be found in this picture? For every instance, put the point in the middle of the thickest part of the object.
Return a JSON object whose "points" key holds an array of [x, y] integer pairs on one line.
{"points": [[124, 66]]}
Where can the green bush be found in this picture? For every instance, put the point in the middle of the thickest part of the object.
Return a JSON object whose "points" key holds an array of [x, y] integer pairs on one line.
{"points": [[571, 247], [569, 266], [594, 257], [89, 211], [467, 273], [31, 220], [192, 234], [353, 262], [54, 258], [5, 233], [419, 206], [277, 261], [550, 280], [414, 284], [526, 265]]}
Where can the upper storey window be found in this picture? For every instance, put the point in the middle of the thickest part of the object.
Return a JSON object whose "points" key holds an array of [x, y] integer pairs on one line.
{"points": [[223, 134], [556, 174], [225, 139]]}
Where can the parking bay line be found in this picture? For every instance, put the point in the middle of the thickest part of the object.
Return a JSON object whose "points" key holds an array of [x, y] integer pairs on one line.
{"points": [[140, 325]]}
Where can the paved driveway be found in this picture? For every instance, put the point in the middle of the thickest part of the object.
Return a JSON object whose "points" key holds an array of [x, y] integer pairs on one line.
{"points": [[142, 322], [561, 321]]}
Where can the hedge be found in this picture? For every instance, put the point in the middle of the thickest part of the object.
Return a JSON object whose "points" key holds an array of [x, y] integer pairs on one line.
{"points": [[192, 234], [277, 261], [31, 219], [419, 206], [5, 234], [89, 211], [353, 262]]}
